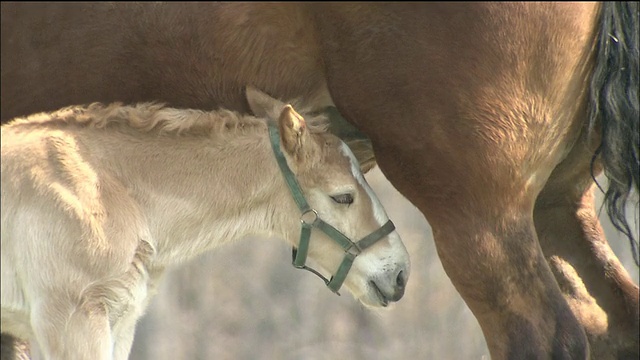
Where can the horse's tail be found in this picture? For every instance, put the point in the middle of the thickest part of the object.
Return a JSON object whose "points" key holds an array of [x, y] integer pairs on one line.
{"points": [[615, 108]]}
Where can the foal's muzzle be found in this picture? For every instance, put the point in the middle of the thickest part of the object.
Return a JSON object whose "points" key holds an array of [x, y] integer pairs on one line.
{"points": [[309, 219]]}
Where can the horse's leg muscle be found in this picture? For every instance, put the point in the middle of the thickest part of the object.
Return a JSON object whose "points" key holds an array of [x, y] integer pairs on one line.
{"points": [[514, 299], [597, 287]]}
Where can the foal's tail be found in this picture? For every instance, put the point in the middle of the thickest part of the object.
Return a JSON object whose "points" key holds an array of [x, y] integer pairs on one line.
{"points": [[615, 108]]}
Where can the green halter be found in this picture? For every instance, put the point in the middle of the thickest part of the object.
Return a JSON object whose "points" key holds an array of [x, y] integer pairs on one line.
{"points": [[310, 219]]}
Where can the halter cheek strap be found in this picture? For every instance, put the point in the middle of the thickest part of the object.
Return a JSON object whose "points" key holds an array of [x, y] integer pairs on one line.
{"points": [[309, 219]]}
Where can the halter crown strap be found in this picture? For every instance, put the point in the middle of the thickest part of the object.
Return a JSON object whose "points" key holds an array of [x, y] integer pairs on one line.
{"points": [[289, 177]]}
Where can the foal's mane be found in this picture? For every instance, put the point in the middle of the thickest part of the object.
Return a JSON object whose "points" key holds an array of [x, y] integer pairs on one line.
{"points": [[150, 117]]}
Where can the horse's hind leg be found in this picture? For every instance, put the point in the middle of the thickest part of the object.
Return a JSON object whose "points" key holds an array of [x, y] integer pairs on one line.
{"points": [[71, 330], [597, 287]]}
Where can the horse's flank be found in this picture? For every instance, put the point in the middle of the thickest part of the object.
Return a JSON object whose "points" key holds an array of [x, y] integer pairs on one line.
{"points": [[478, 114], [226, 45]]}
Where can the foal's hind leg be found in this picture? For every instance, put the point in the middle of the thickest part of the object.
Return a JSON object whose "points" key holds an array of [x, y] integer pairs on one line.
{"points": [[597, 287], [12, 348], [71, 330]]}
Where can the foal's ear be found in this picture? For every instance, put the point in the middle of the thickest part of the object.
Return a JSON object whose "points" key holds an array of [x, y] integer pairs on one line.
{"points": [[293, 131], [263, 105]]}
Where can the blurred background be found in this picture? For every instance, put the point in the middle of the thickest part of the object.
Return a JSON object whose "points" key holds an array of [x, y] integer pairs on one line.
{"points": [[246, 301]]}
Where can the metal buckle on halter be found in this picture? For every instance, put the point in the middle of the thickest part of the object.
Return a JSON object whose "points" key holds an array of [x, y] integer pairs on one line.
{"points": [[304, 215]]}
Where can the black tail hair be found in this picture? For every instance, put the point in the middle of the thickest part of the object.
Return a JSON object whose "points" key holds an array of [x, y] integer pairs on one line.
{"points": [[615, 108]]}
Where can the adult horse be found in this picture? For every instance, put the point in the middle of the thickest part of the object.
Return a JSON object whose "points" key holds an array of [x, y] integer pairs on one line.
{"points": [[486, 116]]}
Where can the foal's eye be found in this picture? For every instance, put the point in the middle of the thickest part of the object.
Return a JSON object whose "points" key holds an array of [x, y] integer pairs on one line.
{"points": [[346, 199]]}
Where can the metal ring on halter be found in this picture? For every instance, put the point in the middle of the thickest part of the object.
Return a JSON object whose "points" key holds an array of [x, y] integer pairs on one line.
{"points": [[354, 250], [304, 214]]}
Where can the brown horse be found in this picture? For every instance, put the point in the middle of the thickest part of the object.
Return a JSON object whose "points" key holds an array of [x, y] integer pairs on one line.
{"points": [[486, 116]]}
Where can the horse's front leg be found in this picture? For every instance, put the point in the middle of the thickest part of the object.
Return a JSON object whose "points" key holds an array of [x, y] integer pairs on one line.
{"points": [[482, 221], [71, 330], [496, 264]]}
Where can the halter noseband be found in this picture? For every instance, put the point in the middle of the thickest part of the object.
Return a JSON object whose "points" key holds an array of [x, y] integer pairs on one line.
{"points": [[309, 219]]}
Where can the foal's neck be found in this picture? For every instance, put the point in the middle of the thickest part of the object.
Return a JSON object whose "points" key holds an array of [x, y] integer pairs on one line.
{"points": [[199, 193]]}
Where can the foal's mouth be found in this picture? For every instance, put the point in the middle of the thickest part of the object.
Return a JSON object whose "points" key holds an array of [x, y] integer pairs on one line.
{"points": [[383, 300]]}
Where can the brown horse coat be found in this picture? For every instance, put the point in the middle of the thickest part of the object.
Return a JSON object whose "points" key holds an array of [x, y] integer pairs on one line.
{"points": [[477, 114]]}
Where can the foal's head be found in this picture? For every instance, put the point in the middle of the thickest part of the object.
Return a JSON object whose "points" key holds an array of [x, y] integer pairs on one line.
{"points": [[332, 184]]}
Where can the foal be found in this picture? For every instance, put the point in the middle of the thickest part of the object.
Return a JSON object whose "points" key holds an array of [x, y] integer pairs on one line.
{"points": [[98, 201]]}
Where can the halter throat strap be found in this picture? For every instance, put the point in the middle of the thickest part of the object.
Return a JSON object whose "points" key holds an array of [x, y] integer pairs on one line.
{"points": [[309, 219]]}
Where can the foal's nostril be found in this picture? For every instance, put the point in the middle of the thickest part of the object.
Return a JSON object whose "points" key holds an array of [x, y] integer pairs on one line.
{"points": [[398, 292], [392, 291], [400, 280]]}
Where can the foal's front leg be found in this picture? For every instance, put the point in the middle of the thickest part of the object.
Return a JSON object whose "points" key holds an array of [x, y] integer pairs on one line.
{"points": [[123, 331], [71, 330], [123, 342]]}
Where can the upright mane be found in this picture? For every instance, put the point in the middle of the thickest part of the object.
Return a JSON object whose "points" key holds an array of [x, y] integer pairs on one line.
{"points": [[157, 118]]}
